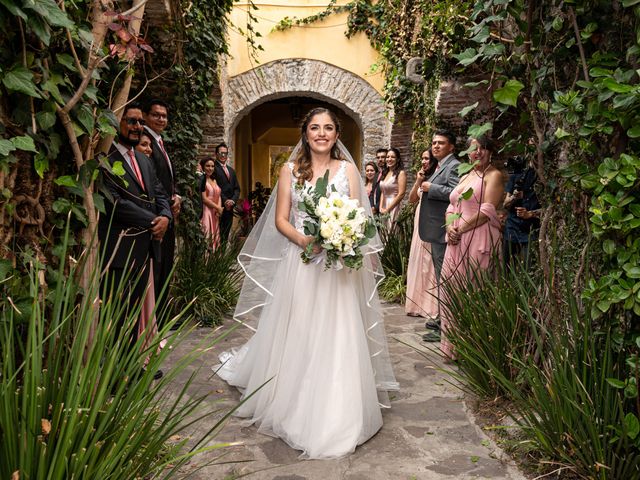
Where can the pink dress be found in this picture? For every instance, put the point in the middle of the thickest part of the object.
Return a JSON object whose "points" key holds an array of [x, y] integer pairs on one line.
{"points": [[389, 191], [422, 288], [477, 248], [210, 220], [147, 324]]}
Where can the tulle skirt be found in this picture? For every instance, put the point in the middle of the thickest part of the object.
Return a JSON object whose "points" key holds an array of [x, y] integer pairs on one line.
{"points": [[311, 348]]}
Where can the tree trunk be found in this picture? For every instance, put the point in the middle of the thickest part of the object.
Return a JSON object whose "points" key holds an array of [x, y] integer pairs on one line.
{"points": [[122, 95]]}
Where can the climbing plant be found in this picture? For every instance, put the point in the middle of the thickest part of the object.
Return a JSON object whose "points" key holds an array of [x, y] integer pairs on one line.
{"points": [[201, 34], [61, 63]]}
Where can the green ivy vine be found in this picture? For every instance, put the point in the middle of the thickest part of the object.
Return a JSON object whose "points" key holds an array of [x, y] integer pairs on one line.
{"points": [[200, 37]]}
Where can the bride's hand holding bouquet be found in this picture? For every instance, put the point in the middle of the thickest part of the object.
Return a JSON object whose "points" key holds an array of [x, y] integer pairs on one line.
{"points": [[338, 224]]}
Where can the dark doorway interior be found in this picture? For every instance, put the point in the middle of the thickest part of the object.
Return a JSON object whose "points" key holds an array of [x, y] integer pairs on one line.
{"points": [[265, 137]]}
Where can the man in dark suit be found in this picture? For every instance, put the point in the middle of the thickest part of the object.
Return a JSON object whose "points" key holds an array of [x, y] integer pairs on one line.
{"points": [[156, 117], [137, 214], [381, 161], [228, 182], [433, 207]]}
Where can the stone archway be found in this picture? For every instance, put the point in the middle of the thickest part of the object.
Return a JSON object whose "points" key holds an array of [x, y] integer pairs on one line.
{"points": [[315, 79]]}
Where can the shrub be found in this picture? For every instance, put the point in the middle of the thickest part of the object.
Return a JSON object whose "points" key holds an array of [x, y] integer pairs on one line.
{"points": [[395, 255], [206, 284], [559, 374]]}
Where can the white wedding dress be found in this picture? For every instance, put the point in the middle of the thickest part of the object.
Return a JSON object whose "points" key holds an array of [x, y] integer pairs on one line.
{"points": [[312, 348]]}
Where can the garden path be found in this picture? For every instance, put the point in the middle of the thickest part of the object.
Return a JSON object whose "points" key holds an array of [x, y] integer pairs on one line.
{"points": [[429, 433]]}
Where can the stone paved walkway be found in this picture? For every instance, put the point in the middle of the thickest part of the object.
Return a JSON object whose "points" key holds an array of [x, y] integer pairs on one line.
{"points": [[428, 433]]}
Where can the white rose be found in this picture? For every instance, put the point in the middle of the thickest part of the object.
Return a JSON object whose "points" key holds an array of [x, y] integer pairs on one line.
{"points": [[326, 231]]}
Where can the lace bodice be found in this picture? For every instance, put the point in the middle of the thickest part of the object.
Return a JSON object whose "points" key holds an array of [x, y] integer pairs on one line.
{"points": [[339, 181]]}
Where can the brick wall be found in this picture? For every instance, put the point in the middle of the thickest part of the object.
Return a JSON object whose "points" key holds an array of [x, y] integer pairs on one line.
{"points": [[402, 139], [212, 125], [454, 96], [158, 13], [402, 136]]}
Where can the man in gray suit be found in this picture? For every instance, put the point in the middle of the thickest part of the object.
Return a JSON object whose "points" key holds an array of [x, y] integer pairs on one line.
{"points": [[433, 207]]}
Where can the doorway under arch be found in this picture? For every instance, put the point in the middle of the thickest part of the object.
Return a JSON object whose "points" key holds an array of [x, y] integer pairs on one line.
{"points": [[267, 134], [312, 81]]}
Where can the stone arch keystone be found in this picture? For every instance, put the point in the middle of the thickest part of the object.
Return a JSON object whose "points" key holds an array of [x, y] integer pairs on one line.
{"points": [[315, 79]]}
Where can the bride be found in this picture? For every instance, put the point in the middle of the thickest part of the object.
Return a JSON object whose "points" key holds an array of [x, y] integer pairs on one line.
{"points": [[317, 370]]}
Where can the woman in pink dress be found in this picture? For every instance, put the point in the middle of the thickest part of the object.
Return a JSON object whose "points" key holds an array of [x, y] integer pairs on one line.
{"points": [[211, 205], [393, 186], [474, 235], [422, 289]]}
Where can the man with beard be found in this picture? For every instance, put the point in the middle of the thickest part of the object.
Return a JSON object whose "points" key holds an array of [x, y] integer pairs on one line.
{"points": [[156, 117], [433, 208], [381, 161], [137, 217]]}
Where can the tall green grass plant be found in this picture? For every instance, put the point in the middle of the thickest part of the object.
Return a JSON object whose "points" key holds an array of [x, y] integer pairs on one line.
{"points": [[395, 255], [557, 373], [206, 284], [491, 332], [75, 400]]}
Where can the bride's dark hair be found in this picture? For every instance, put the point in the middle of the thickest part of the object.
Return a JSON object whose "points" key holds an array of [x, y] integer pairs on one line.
{"points": [[303, 168]]}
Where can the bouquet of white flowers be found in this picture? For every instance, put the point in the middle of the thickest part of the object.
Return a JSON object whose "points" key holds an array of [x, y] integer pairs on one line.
{"points": [[338, 223]]}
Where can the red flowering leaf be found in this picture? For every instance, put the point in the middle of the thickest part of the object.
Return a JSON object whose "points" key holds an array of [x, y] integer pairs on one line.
{"points": [[124, 35], [117, 49], [142, 43], [115, 26], [131, 56]]}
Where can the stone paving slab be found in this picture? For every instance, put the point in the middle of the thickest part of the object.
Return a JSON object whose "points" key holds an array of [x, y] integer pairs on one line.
{"points": [[428, 433]]}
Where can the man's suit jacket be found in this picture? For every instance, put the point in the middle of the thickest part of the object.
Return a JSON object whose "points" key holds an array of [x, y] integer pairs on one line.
{"points": [[163, 172], [375, 195], [434, 203], [229, 186], [132, 210]]}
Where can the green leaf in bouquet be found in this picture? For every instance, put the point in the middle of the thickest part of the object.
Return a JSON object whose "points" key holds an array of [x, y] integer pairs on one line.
{"points": [[370, 229], [353, 261], [311, 228], [305, 255], [302, 206], [321, 184], [352, 215]]}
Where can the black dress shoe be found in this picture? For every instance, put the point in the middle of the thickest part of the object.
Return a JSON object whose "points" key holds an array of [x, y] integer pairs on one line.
{"points": [[432, 324], [431, 337]]}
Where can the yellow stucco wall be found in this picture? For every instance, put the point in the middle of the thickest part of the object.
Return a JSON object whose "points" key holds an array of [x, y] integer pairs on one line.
{"points": [[324, 41]]}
